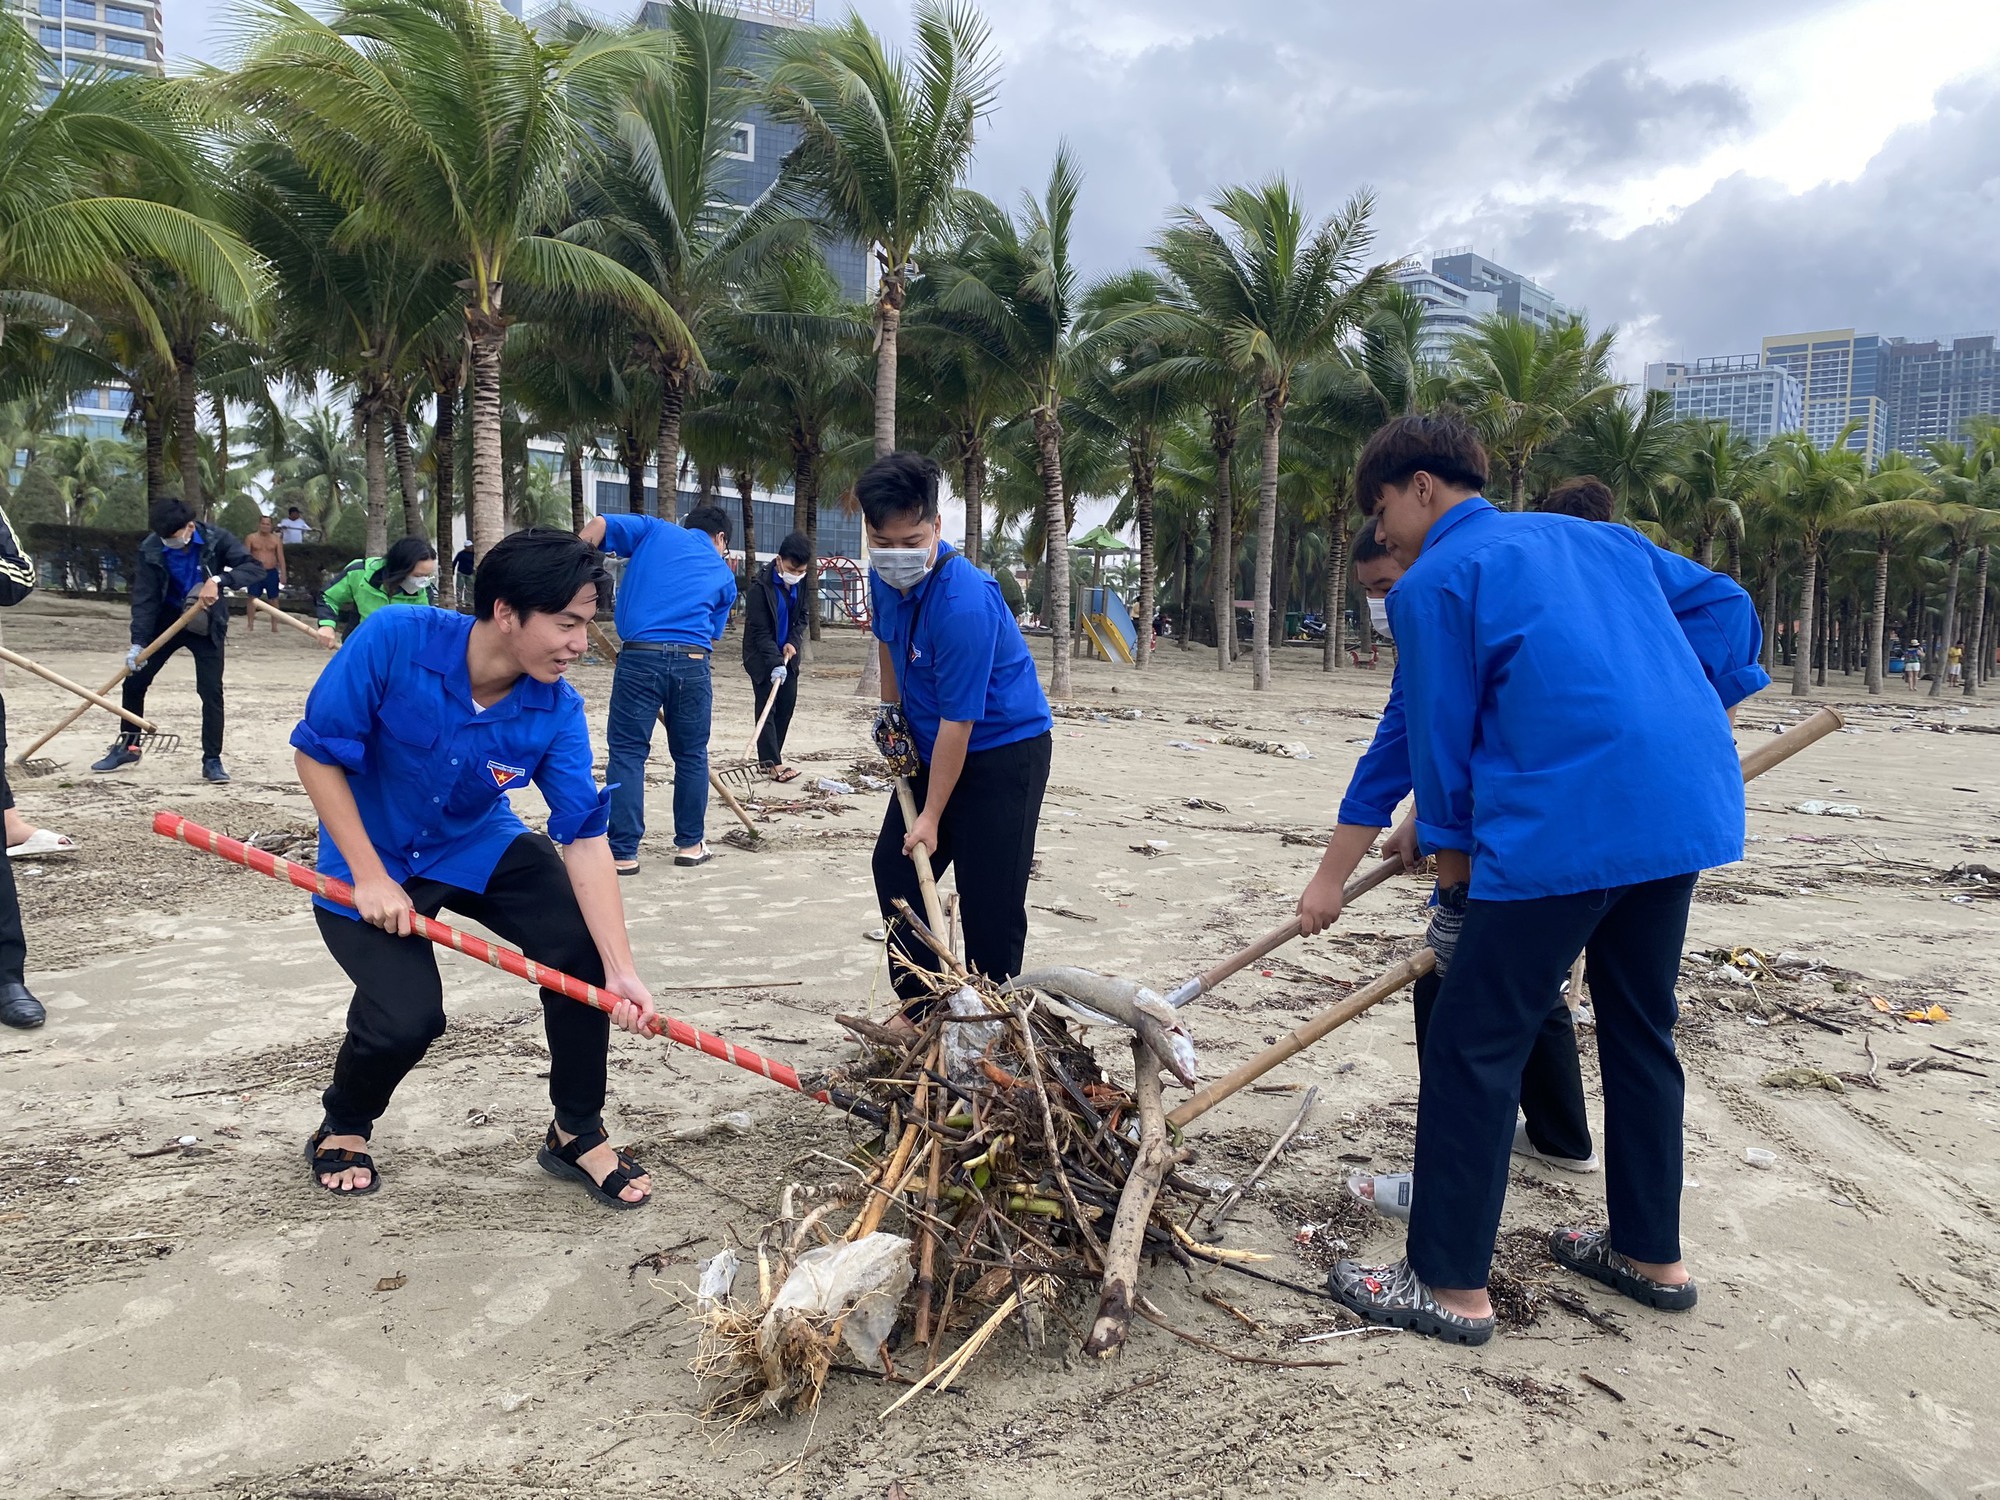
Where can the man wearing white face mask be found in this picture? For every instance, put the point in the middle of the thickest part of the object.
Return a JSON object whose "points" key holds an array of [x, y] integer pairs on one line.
{"points": [[957, 679], [774, 633]]}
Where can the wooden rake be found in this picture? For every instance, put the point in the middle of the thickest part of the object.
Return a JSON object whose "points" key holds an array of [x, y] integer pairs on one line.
{"points": [[151, 737]]}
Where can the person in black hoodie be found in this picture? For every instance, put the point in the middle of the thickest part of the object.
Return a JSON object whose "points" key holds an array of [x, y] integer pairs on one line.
{"points": [[17, 1006], [774, 630], [182, 559]]}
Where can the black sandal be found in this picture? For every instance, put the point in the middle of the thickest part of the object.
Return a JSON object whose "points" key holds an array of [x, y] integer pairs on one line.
{"points": [[559, 1160], [1588, 1252], [340, 1159]]}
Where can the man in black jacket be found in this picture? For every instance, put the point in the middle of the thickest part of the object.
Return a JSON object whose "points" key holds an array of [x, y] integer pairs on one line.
{"points": [[182, 560], [17, 1006], [774, 630]]}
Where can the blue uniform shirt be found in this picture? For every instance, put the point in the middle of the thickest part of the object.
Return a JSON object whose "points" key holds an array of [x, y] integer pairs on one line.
{"points": [[430, 770], [676, 587], [1563, 684], [968, 661]]}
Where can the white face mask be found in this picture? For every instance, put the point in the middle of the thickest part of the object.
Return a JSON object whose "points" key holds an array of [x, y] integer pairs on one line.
{"points": [[902, 568], [419, 585], [1378, 616], [790, 580], [176, 542]]}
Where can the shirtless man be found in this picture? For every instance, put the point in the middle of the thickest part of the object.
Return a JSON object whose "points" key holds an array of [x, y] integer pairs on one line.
{"points": [[268, 547]]}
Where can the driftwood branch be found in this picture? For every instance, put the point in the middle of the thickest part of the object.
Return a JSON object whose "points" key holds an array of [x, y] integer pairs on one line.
{"points": [[1235, 1196], [1135, 1208]]}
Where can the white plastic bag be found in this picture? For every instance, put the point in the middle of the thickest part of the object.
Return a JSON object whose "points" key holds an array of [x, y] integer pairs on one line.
{"points": [[718, 1275], [863, 1282], [966, 1042]]}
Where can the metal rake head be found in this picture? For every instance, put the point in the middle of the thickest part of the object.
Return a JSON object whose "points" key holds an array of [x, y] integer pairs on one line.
{"points": [[743, 773], [160, 742], [39, 766]]}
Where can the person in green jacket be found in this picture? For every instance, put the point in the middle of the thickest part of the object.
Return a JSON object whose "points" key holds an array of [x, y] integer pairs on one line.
{"points": [[406, 574]]}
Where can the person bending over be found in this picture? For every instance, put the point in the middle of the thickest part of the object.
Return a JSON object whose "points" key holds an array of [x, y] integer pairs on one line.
{"points": [[774, 633]]}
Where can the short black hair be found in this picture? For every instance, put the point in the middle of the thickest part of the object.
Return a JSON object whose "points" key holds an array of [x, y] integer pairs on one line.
{"points": [[295, 510], [1440, 443], [796, 549], [1586, 497], [899, 485], [1368, 543], [712, 519], [403, 555], [169, 515], [538, 572]]}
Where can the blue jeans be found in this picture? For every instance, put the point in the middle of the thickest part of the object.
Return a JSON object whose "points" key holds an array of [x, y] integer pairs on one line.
{"points": [[646, 685]]}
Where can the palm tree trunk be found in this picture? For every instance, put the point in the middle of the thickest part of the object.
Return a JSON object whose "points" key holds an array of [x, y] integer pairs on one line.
{"points": [[1821, 635], [1736, 552], [1878, 631], [1975, 638], [1281, 580], [743, 487], [187, 425], [406, 472], [220, 405], [368, 416], [1517, 482], [444, 455], [888, 327], [1149, 568], [1704, 550], [972, 487], [1770, 652], [579, 507], [1055, 548], [805, 517], [667, 447], [1222, 547], [1267, 544], [1187, 585], [489, 496], [153, 420], [1955, 556], [632, 453], [1802, 636], [1335, 608]]}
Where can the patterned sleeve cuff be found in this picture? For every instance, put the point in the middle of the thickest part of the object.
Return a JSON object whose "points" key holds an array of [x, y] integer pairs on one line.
{"points": [[591, 822], [350, 755]]}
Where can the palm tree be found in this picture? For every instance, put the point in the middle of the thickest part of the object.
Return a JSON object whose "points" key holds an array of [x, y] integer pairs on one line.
{"points": [[1814, 489], [963, 385], [319, 448], [1960, 482], [450, 126], [1894, 511], [1523, 387], [1276, 291], [1637, 450], [887, 140], [1712, 478]]}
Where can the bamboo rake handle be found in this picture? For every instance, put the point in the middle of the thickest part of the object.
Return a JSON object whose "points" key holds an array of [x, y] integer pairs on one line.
{"points": [[1277, 937], [1760, 758], [117, 677], [78, 688], [770, 702], [290, 619], [921, 858]]}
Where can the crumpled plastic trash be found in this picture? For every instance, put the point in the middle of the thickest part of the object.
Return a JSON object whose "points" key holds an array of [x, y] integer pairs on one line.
{"points": [[1828, 809], [833, 788], [966, 1043], [1185, 745], [861, 1284], [718, 1275]]}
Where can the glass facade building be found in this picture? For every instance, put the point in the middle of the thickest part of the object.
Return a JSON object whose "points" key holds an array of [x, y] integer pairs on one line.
{"points": [[1842, 374], [1758, 401], [1449, 310], [1514, 294], [1934, 389], [80, 36]]}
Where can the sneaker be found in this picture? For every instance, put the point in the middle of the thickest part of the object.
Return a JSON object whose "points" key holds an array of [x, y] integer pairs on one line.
{"points": [[123, 753], [211, 769]]}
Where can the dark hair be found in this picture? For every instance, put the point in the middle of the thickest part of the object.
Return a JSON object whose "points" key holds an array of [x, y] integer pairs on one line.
{"points": [[1586, 497], [897, 485], [295, 510], [1438, 443], [537, 572], [712, 519], [401, 559], [1368, 544], [796, 549], [169, 515]]}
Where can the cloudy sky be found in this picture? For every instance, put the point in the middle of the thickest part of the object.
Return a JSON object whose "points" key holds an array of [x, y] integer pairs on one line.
{"points": [[1701, 173]]}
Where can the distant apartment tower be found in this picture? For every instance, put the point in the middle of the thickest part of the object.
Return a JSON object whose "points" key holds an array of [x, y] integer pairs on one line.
{"points": [[1449, 310], [1935, 389], [1515, 295], [1758, 401], [1842, 375], [118, 37]]}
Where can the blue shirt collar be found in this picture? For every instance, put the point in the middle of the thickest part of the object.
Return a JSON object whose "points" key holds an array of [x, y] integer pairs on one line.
{"points": [[1458, 515], [444, 654]]}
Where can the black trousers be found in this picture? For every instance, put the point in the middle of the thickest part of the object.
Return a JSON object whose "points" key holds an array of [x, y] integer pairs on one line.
{"points": [[1551, 1083], [988, 830], [1511, 957], [207, 653], [771, 743], [398, 1005], [13, 941]]}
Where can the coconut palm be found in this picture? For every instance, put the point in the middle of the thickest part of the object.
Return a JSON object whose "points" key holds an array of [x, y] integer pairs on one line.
{"points": [[1703, 494], [1814, 489], [1961, 487], [1523, 387], [1637, 450], [1895, 511], [1276, 291], [962, 385], [450, 126], [320, 450]]}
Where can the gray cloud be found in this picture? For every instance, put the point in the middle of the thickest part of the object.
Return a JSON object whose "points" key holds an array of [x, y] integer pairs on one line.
{"points": [[1620, 114]]}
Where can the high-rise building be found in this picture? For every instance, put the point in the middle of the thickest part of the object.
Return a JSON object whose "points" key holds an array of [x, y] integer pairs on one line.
{"points": [[1515, 295], [1758, 401], [1841, 372], [119, 37], [1934, 389], [1449, 310]]}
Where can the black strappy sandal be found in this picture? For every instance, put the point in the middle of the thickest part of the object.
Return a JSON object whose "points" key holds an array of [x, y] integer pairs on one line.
{"points": [[340, 1159], [559, 1160]]}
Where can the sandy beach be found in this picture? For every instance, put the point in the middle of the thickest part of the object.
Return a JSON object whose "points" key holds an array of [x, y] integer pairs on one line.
{"points": [[202, 1321]]}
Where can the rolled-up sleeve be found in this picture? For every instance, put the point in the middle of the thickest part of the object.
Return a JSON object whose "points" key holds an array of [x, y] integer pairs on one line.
{"points": [[577, 808], [1442, 693], [1381, 778], [1718, 619], [342, 707]]}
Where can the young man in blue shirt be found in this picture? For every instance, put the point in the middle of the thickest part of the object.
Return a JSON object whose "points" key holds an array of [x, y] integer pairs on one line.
{"points": [[956, 671], [412, 739], [673, 605], [1566, 689]]}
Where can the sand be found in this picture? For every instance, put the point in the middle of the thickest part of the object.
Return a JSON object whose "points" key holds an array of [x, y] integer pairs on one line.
{"points": [[204, 1322]]}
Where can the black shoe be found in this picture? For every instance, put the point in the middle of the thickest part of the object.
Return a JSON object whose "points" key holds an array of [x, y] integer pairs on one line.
{"points": [[211, 769], [123, 753], [19, 1008]]}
